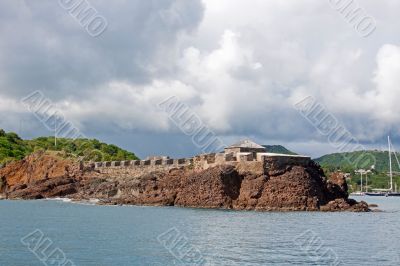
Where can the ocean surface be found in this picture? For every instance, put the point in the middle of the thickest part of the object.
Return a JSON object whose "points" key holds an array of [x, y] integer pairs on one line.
{"points": [[62, 233]]}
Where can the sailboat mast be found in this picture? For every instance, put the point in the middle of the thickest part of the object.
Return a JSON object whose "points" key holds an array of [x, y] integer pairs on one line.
{"points": [[55, 132], [390, 166]]}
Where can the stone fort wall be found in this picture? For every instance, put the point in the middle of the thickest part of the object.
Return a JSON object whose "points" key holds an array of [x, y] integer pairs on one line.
{"points": [[200, 162]]}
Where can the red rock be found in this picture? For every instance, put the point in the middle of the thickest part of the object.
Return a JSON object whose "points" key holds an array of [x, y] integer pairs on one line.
{"points": [[280, 187]]}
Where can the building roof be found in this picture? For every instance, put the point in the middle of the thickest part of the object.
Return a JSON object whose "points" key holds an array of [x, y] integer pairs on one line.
{"points": [[246, 144]]}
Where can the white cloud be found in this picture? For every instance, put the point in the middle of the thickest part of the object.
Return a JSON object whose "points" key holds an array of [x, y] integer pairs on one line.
{"points": [[215, 75], [9, 105], [387, 80]]}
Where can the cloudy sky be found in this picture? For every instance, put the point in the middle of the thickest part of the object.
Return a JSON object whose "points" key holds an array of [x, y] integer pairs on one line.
{"points": [[239, 65]]}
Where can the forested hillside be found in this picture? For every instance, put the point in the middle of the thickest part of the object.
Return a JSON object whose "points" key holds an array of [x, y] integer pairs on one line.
{"points": [[12, 147], [377, 178]]}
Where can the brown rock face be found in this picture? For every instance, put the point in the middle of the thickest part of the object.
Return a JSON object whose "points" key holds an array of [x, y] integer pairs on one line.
{"points": [[38, 166], [296, 188], [337, 186], [244, 186], [40, 175], [44, 188], [348, 205]]}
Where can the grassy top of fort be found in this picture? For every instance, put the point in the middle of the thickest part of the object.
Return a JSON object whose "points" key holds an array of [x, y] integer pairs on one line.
{"points": [[278, 149], [12, 147]]}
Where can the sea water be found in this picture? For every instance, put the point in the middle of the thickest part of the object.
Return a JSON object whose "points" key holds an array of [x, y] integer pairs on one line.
{"points": [[64, 233]]}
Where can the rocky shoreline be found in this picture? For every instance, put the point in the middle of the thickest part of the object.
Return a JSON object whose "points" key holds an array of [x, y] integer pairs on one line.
{"points": [[278, 188]]}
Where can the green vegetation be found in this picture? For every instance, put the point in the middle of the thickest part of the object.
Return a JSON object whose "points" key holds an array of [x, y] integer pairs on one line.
{"points": [[12, 147], [278, 149], [377, 179], [339, 160]]}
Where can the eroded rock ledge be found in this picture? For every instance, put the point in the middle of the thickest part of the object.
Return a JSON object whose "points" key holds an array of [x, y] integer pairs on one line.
{"points": [[275, 187]]}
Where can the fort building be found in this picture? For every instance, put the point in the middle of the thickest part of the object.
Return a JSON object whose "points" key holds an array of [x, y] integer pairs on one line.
{"points": [[245, 154], [245, 147]]}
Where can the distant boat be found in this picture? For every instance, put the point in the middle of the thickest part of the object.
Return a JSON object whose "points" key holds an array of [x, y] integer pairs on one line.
{"points": [[361, 192], [393, 194], [387, 192], [358, 193], [375, 193]]}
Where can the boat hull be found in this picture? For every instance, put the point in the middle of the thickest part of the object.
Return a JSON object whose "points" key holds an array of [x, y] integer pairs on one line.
{"points": [[383, 194], [378, 194], [393, 194]]}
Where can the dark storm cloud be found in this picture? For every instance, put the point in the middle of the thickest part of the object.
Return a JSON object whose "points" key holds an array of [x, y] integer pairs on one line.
{"points": [[43, 47]]}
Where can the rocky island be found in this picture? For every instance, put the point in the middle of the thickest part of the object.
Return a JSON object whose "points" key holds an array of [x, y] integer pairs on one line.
{"points": [[243, 177]]}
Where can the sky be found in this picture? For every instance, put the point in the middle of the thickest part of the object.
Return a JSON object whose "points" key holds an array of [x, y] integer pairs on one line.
{"points": [[240, 67]]}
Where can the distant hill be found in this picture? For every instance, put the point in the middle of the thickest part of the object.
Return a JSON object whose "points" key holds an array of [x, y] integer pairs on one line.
{"points": [[12, 147], [339, 161], [378, 179], [278, 149]]}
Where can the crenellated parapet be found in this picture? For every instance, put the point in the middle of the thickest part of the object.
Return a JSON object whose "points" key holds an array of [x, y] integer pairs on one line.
{"points": [[144, 163], [244, 155], [203, 161]]}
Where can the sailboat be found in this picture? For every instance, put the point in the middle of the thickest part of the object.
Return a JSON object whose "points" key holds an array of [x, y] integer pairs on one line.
{"points": [[387, 192], [361, 193]]}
